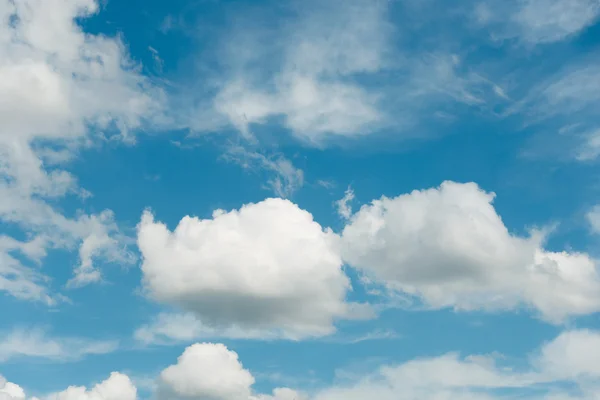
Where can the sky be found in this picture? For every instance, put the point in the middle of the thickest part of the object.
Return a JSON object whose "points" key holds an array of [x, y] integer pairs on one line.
{"points": [[299, 199]]}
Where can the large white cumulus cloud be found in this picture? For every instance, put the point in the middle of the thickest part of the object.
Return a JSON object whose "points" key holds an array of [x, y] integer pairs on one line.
{"points": [[450, 248], [267, 266]]}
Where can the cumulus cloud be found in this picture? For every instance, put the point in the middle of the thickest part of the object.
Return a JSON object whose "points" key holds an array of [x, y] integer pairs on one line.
{"points": [[208, 371], [35, 343], [60, 88], [10, 391], [265, 267], [212, 372], [448, 247], [116, 387]]}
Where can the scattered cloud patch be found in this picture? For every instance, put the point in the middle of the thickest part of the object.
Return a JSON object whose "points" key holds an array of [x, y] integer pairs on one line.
{"points": [[60, 89], [34, 343]]}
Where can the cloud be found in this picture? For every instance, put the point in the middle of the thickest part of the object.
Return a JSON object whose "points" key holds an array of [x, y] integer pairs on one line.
{"points": [[168, 328], [116, 387], [288, 178], [448, 247], [60, 89], [33, 343], [336, 70], [536, 22], [267, 266], [316, 92], [546, 21], [343, 207], [593, 219], [208, 371], [10, 391], [562, 107], [571, 356], [212, 372]]}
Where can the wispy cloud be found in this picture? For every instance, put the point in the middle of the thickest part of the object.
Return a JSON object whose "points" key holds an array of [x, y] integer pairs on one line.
{"points": [[34, 343], [535, 22], [286, 178]]}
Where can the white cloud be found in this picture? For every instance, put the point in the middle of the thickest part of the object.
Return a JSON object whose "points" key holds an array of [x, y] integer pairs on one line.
{"points": [[208, 371], [573, 355], [116, 387], [448, 247], [536, 22], [168, 328], [322, 77], [322, 51], [265, 267], [593, 218], [212, 372], [287, 178], [10, 391], [566, 359], [33, 343], [547, 21], [343, 205], [565, 104], [60, 88]]}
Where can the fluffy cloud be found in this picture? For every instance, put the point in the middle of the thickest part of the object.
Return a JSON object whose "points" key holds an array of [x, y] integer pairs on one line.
{"points": [[265, 267], [59, 88], [36, 344], [572, 355], [448, 247], [10, 391], [212, 372], [116, 387], [208, 371]]}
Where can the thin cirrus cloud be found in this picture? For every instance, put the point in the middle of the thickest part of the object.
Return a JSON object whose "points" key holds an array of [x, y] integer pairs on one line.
{"points": [[564, 368], [537, 22]]}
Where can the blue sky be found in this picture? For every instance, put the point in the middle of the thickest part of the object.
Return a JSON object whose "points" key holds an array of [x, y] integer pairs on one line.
{"points": [[299, 200]]}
